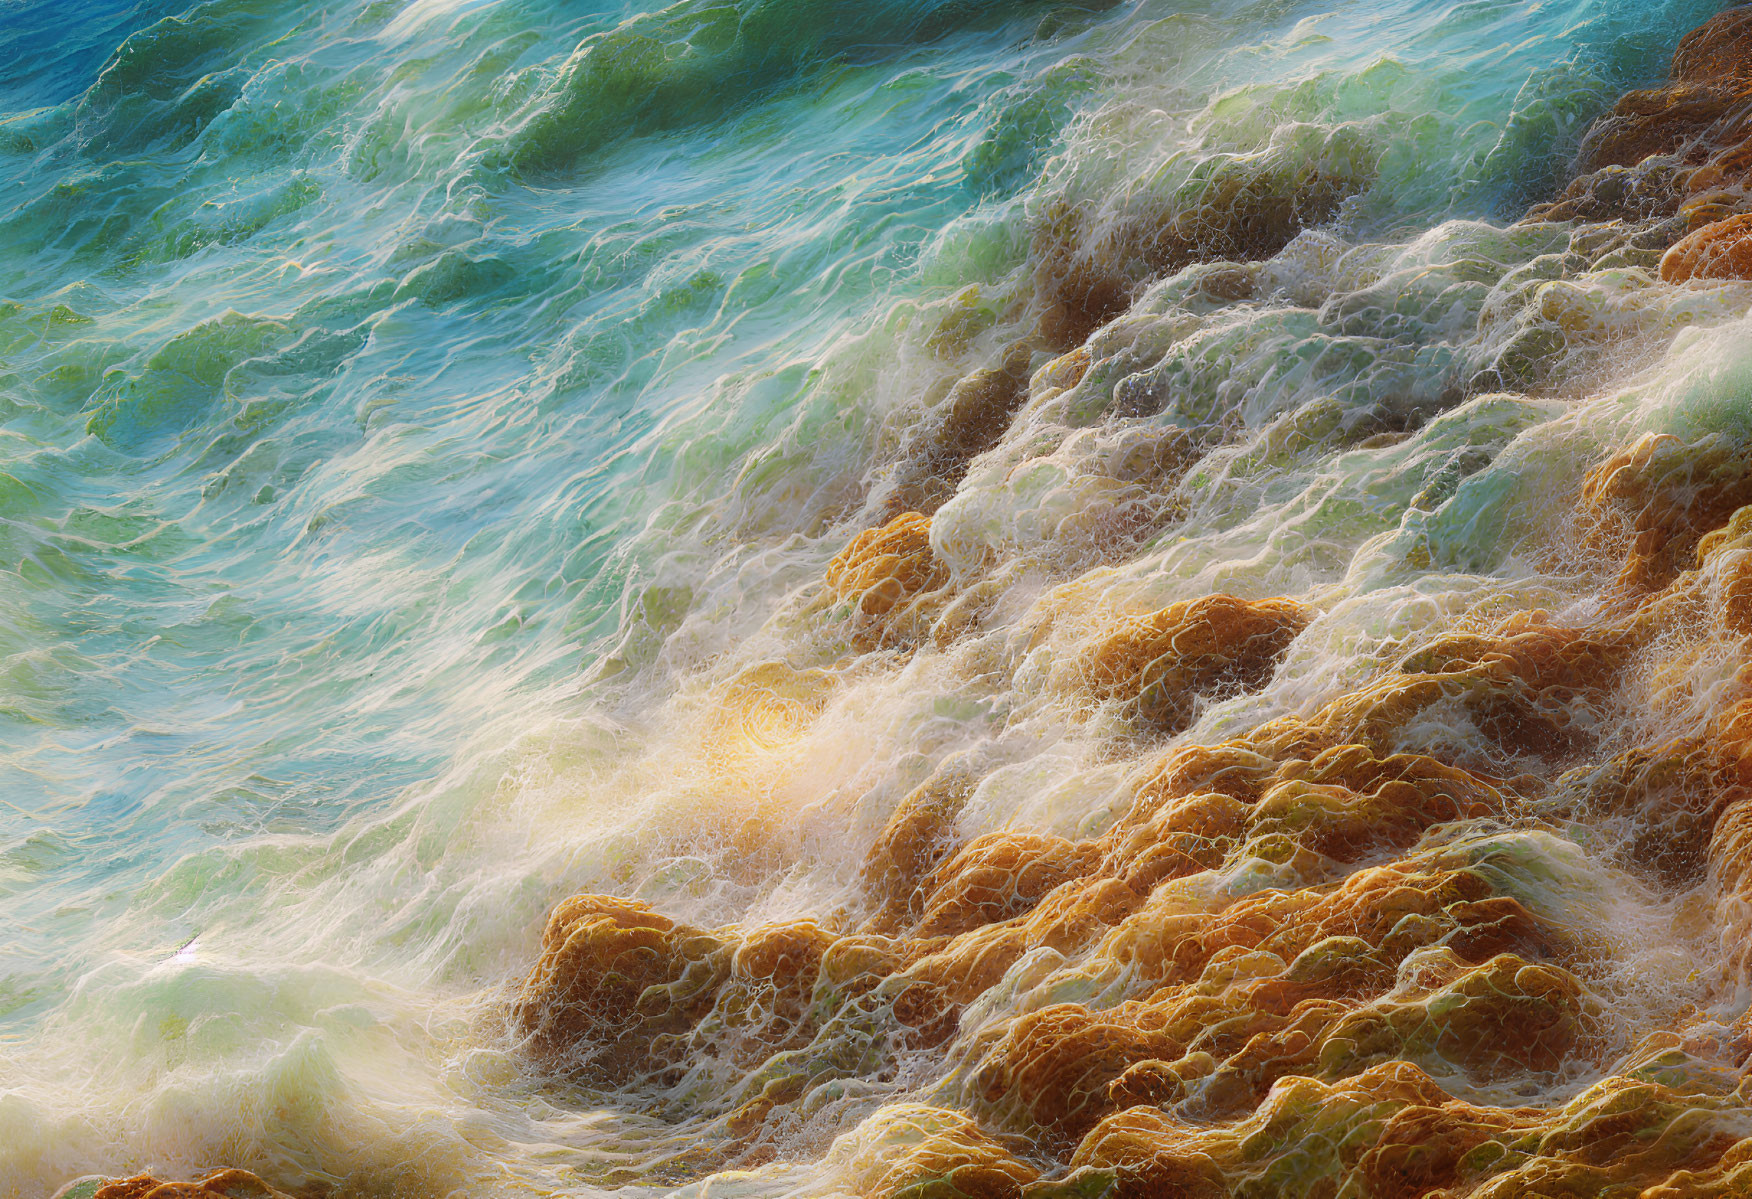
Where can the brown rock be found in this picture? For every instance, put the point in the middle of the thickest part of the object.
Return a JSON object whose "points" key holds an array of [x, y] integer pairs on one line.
{"points": [[221, 1184], [613, 978], [1162, 664], [1722, 250], [884, 573]]}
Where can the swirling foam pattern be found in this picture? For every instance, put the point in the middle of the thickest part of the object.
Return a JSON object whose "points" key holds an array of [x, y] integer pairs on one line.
{"points": [[928, 598]]}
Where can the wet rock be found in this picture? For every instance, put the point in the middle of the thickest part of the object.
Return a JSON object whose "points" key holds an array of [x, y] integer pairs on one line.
{"points": [[615, 984], [764, 1007], [1664, 495], [221, 1184], [1278, 965], [1237, 207], [998, 876], [929, 1153], [1163, 664], [884, 573], [970, 420], [1722, 250], [1660, 146], [1710, 75], [917, 838]]}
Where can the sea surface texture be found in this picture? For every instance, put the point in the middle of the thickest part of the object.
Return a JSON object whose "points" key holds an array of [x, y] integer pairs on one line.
{"points": [[876, 599]]}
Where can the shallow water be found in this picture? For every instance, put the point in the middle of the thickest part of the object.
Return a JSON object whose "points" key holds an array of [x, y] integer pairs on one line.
{"points": [[427, 425]]}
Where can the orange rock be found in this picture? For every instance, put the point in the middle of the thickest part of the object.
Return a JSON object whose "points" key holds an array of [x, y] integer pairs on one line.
{"points": [[1730, 842], [764, 1007], [1296, 1017], [1061, 1062], [1234, 769], [1620, 1136], [854, 965], [1728, 1178], [1272, 987], [1078, 914], [1689, 138], [1527, 692], [221, 1184], [1173, 838], [999, 876], [1663, 496], [883, 568], [1266, 1029], [1162, 664], [1306, 1138], [1722, 250], [884, 572], [1348, 803], [613, 979], [1371, 905], [917, 838], [1716, 50], [949, 1158], [1423, 1148], [1726, 555], [1145, 1084], [1154, 1155], [1063, 372]]}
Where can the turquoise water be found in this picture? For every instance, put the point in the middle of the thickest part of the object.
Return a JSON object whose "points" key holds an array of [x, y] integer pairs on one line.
{"points": [[412, 411]]}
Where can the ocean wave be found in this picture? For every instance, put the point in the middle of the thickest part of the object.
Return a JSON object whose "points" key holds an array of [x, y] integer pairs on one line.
{"points": [[870, 600]]}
